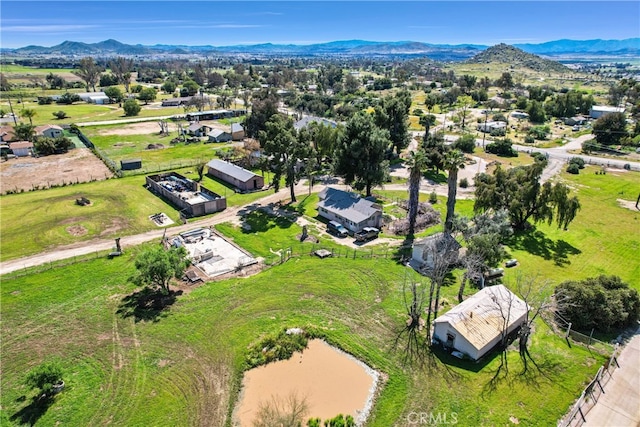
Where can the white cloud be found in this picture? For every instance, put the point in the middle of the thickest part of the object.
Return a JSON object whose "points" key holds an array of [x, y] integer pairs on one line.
{"points": [[45, 28]]}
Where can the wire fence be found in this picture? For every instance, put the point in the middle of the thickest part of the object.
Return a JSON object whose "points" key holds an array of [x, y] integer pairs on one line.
{"points": [[26, 271], [283, 255], [576, 417]]}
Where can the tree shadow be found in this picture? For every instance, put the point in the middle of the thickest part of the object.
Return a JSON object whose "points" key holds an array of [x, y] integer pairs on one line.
{"points": [[537, 243], [31, 413], [147, 304], [435, 177], [265, 218]]}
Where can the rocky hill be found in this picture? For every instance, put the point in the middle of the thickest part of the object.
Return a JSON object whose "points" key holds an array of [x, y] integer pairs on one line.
{"points": [[505, 54]]}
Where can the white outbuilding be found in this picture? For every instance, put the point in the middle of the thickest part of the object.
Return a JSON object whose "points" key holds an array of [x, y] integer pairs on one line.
{"points": [[476, 325]]}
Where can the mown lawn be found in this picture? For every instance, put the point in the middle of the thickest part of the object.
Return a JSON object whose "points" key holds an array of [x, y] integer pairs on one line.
{"points": [[603, 239]]}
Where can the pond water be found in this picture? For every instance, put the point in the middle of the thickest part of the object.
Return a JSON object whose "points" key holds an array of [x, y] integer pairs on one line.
{"points": [[332, 382]]}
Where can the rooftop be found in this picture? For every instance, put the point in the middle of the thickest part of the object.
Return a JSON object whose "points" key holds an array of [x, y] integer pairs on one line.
{"points": [[232, 170], [481, 317], [347, 205]]}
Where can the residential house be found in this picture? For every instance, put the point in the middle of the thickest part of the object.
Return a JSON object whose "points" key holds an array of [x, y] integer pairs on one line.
{"points": [[575, 121], [242, 179], [425, 251], [176, 102], [7, 134], [49, 131], [21, 148], [480, 322], [237, 132], [349, 209], [491, 126], [598, 111], [305, 121], [199, 129], [217, 135]]}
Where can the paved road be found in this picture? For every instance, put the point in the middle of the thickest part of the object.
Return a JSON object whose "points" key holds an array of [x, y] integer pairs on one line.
{"points": [[619, 405]]}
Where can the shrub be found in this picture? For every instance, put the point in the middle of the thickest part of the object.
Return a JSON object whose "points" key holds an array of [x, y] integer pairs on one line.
{"points": [[498, 132], [59, 115], [433, 198], [601, 303], [464, 183], [529, 139], [573, 168], [579, 161], [502, 147], [466, 143], [45, 100], [540, 132], [68, 98], [44, 376], [131, 107]]}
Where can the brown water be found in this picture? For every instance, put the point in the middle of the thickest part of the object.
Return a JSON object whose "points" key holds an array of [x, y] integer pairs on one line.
{"points": [[331, 381]]}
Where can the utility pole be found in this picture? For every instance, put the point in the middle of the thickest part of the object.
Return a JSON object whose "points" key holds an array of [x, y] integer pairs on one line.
{"points": [[15, 121]]}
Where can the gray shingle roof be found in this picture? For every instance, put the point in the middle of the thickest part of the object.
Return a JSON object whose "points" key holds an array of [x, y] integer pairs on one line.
{"points": [[236, 127], [232, 170], [347, 205]]}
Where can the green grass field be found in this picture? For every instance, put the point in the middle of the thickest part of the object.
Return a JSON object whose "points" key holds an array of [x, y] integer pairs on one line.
{"points": [[183, 366]]}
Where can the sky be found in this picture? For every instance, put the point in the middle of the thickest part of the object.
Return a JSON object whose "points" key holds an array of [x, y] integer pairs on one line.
{"points": [[224, 23]]}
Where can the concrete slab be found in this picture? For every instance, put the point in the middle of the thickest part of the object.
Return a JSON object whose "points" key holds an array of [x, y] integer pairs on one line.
{"points": [[619, 406]]}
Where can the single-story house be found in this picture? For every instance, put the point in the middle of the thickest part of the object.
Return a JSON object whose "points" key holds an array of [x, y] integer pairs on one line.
{"points": [[240, 178], [573, 121], [598, 111], [198, 129], [21, 148], [176, 102], [519, 115], [237, 132], [491, 126], [425, 250], [217, 135], [479, 323], [305, 121], [349, 209], [94, 97], [50, 131], [7, 134]]}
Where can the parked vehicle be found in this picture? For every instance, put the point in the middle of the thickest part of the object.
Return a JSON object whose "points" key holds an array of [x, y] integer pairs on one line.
{"points": [[367, 233], [337, 229]]}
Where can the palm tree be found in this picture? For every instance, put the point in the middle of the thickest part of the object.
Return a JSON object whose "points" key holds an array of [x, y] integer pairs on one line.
{"points": [[29, 113], [416, 163], [453, 161]]}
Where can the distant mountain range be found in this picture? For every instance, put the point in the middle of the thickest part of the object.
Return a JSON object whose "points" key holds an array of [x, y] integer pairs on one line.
{"points": [[443, 52]]}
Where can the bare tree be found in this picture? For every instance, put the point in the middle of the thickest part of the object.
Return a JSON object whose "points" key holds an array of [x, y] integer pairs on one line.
{"points": [[289, 411], [121, 68], [535, 296], [414, 296], [89, 72]]}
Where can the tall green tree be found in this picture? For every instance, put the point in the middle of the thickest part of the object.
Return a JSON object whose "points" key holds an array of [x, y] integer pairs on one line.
{"points": [[416, 163], [265, 105], [24, 132], [158, 266], [453, 161], [518, 190], [360, 154], [114, 93], [147, 94], [610, 128], [393, 115], [29, 113], [89, 72], [121, 68], [286, 149]]}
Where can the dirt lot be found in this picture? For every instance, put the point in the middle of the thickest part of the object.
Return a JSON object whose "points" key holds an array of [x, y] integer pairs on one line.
{"points": [[153, 127], [27, 173]]}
